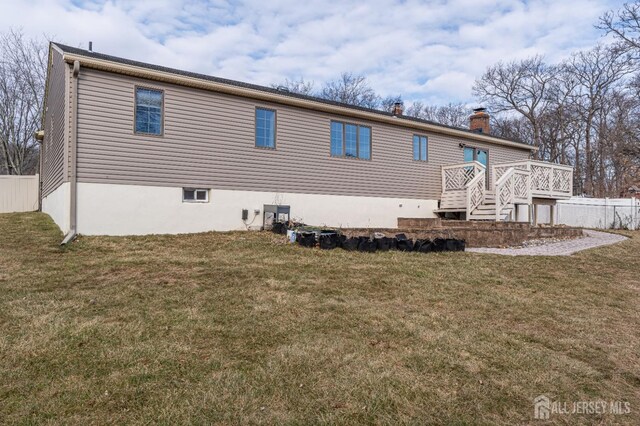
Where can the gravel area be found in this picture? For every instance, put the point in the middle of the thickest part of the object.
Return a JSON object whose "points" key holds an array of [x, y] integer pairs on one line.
{"points": [[556, 248]]}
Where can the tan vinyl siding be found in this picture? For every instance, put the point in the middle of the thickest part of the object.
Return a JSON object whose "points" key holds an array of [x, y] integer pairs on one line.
{"points": [[209, 141], [54, 147]]}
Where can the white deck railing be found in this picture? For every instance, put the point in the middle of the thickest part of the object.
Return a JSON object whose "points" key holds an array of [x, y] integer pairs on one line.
{"points": [[463, 185], [457, 176], [547, 180]]}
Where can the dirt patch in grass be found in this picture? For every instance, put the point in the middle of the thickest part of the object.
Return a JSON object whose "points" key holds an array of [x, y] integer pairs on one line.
{"points": [[232, 328]]}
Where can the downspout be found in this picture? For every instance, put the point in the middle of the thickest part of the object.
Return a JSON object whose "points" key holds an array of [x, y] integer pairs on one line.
{"points": [[39, 137], [73, 141]]}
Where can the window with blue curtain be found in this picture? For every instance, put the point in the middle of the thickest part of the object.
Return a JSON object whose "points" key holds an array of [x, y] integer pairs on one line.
{"points": [[149, 111], [336, 139], [350, 140], [420, 148], [265, 128]]}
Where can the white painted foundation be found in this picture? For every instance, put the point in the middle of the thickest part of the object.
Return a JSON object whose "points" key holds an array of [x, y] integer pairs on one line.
{"points": [[57, 205], [107, 209]]}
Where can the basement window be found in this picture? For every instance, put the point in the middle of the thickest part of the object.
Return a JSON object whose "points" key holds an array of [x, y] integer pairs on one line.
{"points": [[195, 195]]}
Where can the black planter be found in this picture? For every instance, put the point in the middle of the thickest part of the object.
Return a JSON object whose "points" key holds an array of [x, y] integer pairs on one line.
{"points": [[423, 246], [453, 244], [279, 228], [404, 244], [306, 239], [350, 244], [328, 240], [439, 244], [384, 243], [367, 245]]}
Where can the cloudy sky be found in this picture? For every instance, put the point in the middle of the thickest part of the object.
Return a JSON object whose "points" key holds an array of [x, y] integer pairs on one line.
{"points": [[423, 50]]}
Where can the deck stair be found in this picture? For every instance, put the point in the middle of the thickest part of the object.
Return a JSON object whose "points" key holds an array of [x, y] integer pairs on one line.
{"points": [[487, 209]]}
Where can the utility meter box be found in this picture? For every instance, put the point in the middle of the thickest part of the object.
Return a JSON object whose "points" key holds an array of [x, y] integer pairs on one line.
{"points": [[273, 213]]}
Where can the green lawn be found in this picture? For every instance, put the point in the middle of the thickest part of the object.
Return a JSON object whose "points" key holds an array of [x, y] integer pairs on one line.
{"points": [[242, 328]]}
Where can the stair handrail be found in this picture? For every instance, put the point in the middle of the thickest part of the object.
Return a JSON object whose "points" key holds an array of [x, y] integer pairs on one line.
{"points": [[457, 176], [504, 185], [475, 191]]}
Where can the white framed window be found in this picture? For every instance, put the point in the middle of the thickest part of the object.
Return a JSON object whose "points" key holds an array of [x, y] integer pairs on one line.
{"points": [[149, 111], [265, 128], [195, 195], [420, 148]]}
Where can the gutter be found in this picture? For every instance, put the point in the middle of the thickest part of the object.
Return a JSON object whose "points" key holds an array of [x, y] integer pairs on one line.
{"points": [[73, 141], [182, 80]]}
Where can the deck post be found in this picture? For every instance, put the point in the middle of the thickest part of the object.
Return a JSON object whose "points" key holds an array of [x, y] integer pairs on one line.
{"points": [[535, 214], [552, 214]]}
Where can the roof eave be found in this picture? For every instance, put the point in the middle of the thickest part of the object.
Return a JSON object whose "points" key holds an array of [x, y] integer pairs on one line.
{"points": [[164, 76]]}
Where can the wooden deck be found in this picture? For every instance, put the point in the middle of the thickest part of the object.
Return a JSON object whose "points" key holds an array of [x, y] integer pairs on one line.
{"points": [[523, 183]]}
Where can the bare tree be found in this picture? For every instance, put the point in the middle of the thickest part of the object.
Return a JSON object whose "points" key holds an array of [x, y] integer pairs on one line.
{"points": [[583, 111], [634, 85], [516, 128], [415, 110], [23, 65], [455, 115], [624, 25], [452, 114], [387, 104], [351, 89], [299, 86], [616, 167], [523, 87], [559, 128], [596, 73]]}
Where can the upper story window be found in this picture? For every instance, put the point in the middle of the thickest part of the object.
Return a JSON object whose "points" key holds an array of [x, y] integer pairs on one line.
{"points": [[149, 105], [420, 145], [350, 140], [265, 128]]}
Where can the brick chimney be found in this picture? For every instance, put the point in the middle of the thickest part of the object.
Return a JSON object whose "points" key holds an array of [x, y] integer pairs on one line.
{"points": [[479, 121], [398, 108]]}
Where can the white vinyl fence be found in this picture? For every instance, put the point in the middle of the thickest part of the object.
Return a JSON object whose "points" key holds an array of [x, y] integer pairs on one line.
{"points": [[603, 213], [18, 193]]}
